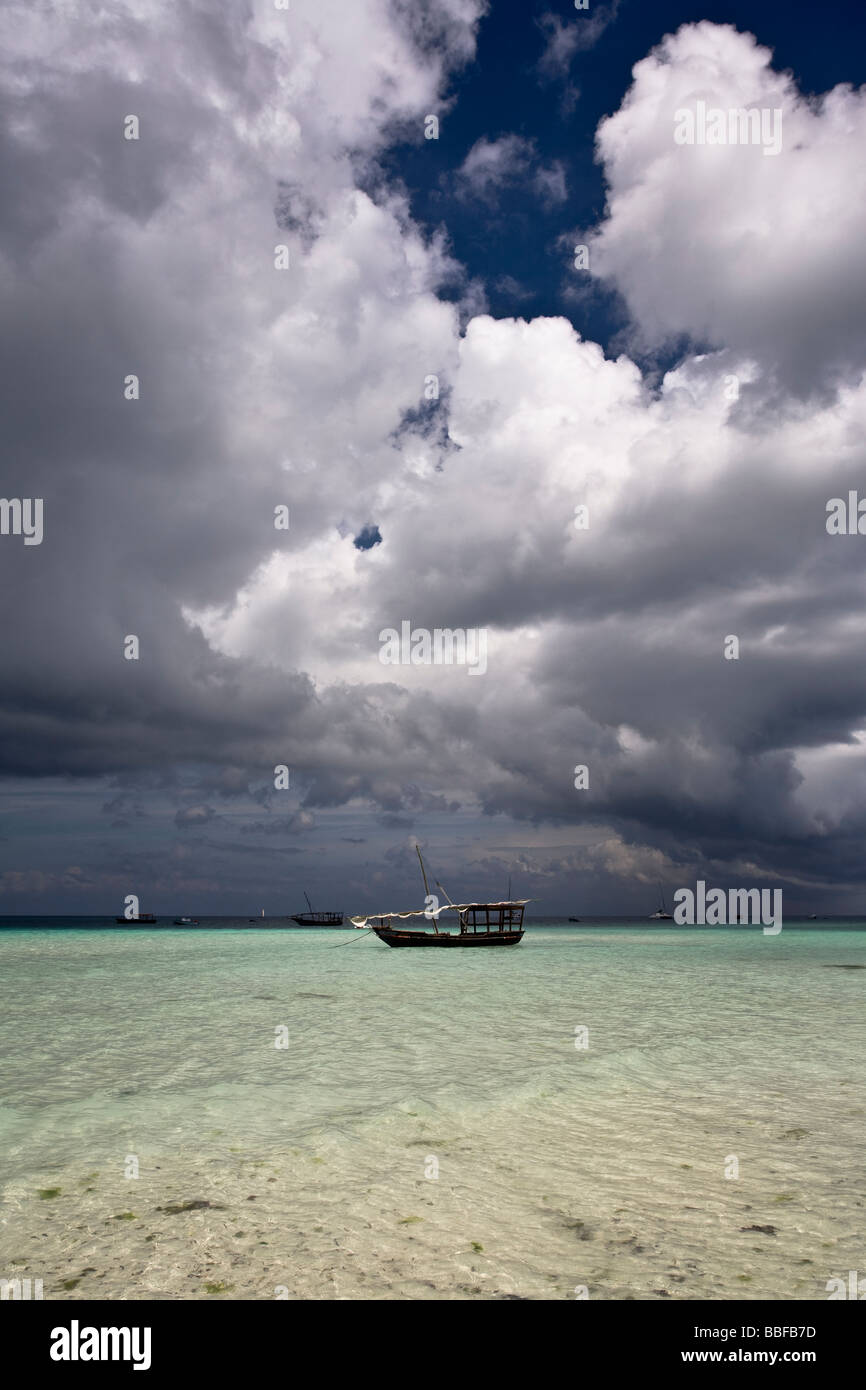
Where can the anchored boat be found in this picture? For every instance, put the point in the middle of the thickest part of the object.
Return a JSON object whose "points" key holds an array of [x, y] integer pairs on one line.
{"points": [[477, 924], [316, 919], [661, 913]]}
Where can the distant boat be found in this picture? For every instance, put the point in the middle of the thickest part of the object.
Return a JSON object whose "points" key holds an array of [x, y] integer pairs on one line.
{"points": [[574, 919], [142, 917], [661, 913], [186, 921], [480, 924], [316, 919]]}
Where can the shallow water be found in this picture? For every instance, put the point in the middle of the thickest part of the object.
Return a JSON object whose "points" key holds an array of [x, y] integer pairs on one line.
{"points": [[710, 1050]]}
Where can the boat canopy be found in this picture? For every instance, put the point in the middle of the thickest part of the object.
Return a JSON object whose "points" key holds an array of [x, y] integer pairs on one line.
{"points": [[434, 913]]}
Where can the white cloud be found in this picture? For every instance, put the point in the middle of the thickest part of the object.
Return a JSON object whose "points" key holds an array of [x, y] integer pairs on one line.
{"points": [[721, 243], [564, 40], [492, 166]]}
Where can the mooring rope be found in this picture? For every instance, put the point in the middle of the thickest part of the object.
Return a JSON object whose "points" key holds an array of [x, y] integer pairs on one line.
{"points": [[350, 943]]}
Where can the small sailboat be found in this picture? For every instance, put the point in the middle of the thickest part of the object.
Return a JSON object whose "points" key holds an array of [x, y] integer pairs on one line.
{"points": [[661, 913], [478, 924], [316, 919]]}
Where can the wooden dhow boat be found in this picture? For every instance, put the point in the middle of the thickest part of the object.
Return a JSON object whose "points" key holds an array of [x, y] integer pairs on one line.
{"points": [[477, 924], [316, 919]]}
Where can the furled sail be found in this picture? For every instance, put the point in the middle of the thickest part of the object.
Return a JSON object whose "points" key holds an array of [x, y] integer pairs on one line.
{"points": [[432, 913]]}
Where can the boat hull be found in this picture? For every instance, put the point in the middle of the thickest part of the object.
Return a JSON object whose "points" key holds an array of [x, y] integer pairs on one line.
{"points": [[447, 940], [318, 919]]}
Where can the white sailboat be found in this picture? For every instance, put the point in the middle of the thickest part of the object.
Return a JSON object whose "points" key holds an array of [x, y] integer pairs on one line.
{"points": [[661, 913]]}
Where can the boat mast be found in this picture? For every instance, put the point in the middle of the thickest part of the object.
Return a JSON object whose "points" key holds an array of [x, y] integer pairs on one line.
{"points": [[426, 888], [309, 904], [423, 870], [452, 904]]}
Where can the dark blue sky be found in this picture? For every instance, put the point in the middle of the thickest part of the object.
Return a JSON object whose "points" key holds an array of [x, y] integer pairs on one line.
{"points": [[500, 94]]}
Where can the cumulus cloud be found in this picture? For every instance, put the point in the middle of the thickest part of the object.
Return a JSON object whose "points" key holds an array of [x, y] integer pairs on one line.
{"points": [[721, 244]]}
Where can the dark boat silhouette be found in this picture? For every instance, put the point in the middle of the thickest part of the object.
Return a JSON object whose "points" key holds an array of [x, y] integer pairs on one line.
{"points": [[317, 919], [478, 924], [661, 913]]}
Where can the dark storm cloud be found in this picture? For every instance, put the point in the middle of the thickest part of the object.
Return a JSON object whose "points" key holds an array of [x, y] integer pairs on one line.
{"points": [[292, 824]]}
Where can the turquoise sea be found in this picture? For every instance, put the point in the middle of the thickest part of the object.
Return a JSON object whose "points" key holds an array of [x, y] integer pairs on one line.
{"points": [[609, 1110]]}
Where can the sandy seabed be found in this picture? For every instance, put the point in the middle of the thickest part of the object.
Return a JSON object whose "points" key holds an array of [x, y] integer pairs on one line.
{"points": [[531, 1203]]}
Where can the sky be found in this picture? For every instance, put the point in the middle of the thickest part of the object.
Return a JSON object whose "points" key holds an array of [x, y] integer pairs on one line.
{"points": [[306, 352]]}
